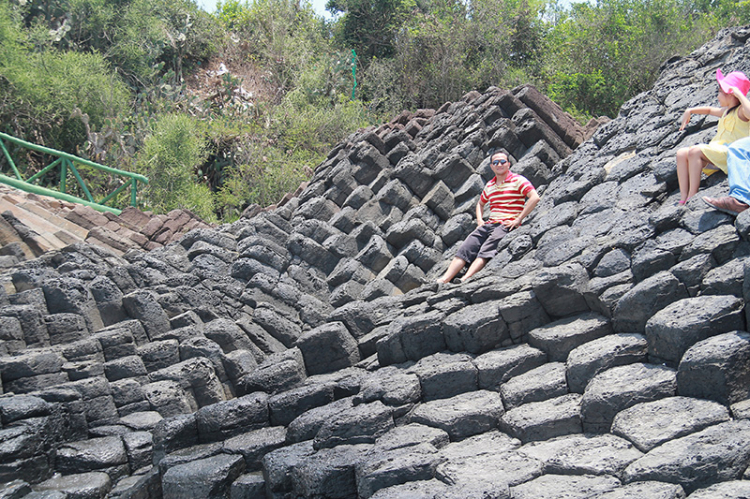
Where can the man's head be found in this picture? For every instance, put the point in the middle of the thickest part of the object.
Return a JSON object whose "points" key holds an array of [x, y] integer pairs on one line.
{"points": [[500, 164]]}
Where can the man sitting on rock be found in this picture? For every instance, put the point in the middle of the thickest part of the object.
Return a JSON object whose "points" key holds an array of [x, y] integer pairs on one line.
{"points": [[511, 198]]}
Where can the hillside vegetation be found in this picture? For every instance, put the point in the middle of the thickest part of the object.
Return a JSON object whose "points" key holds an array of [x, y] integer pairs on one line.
{"points": [[222, 110]]}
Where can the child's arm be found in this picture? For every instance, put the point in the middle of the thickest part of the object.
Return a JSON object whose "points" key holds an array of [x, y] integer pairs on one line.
{"points": [[744, 111], [713, 111]]}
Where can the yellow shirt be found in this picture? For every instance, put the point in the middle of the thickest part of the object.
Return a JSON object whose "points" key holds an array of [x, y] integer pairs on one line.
{"points": [[729, 129]]}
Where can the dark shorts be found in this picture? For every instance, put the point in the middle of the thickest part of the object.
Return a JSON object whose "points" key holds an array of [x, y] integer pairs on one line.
{"points": [[482, 243]]}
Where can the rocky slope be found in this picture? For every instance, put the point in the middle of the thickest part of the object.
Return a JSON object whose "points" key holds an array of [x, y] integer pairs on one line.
{"points": [[31, 225], [305, 352]]}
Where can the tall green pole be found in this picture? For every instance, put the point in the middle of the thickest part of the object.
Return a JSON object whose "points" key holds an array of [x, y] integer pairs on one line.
{"points": [[354, 71]]}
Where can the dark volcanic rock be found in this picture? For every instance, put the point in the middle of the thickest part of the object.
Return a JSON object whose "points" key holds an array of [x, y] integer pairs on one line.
{"points": [[576, 486], [722, 449], [676, 328], [559, 338], [361, 424], [544, 420], [717, 368], [583, 454], [309, 341], [461, 416], [652, 423], [544, 382], [328, 348], [646, 298], [621, 387], [589, 359], [208, 477]]}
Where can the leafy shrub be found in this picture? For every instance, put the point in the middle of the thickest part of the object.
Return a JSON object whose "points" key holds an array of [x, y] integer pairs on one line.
{"points": [[277, 160], [170, 156], [42, 88]]}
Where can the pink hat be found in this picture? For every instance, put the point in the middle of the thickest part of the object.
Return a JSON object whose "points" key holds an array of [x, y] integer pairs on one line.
{"points": [[733, 79]]}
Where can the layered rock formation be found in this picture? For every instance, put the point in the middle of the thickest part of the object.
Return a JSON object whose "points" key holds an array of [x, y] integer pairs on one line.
{"points": [[33, 225], [305, 352]]}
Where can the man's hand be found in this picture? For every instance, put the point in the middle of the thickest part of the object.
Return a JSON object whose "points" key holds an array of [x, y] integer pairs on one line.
{"points": [[511, 224]]}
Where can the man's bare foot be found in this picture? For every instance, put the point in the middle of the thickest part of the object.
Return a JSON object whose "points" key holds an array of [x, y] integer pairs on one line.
{"points": [[726, 204]]}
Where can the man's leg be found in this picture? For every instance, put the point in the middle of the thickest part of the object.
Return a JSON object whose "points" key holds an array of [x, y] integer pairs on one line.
{"points": [[454, 268], [487, 251], [467, 252], [477, 265]]}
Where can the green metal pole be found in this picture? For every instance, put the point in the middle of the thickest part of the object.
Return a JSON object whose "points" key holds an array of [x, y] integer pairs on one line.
{"points": [[133, 191], [45, 170], [10, 161], [70, 157], [63, 174], [354, 71], [80, 183], [116, 192]]}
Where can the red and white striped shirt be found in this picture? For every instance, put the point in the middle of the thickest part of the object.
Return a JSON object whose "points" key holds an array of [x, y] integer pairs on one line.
{"points": [[506, 198]]}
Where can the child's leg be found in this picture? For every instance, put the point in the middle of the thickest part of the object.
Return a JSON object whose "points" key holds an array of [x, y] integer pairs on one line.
{"points": [[696, 162], [682, 173]]}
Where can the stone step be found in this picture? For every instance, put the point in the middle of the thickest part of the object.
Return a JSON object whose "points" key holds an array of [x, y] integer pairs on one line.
{"points": [[539, 384], [45, 230], [54, 219]]}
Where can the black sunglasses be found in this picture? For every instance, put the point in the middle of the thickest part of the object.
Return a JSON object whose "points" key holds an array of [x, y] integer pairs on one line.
{"points": [[499, 162]]}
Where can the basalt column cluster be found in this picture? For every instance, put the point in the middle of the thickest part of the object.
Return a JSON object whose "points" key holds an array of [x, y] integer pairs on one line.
{"points": [[306, 351]]}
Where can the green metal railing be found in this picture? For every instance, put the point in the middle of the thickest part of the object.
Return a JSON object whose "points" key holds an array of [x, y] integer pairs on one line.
{"points": [[66, 162]]}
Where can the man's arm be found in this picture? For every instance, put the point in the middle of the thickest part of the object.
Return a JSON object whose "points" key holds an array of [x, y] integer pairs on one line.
{"points": [[531, 201], [480, 220]]}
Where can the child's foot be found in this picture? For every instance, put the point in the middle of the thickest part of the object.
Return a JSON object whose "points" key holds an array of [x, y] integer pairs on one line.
{"points": [[682, 202], [441, 281]]}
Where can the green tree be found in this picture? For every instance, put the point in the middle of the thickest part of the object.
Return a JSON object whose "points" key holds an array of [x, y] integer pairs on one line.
{"points": [[432, 62], [283, 38], [370, 26], [170, 158], [604, 53], [143, 39], [41, 87]]}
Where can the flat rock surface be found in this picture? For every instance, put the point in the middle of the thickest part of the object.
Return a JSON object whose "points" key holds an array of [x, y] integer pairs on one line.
{"points": [[621, 387], [565, 487], [673, 330], [722, 449], [589, 359], [559, 338], [461, 416], [583, 454], [652, 490], [542, 383], [544, 420], [650, 424], [735, 489], [510, 468]]}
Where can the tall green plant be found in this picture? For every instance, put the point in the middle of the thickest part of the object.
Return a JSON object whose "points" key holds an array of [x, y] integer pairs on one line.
{"points": [[170, 158], [608, 51], [283, 37], [370, 26], [42, 87]]}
